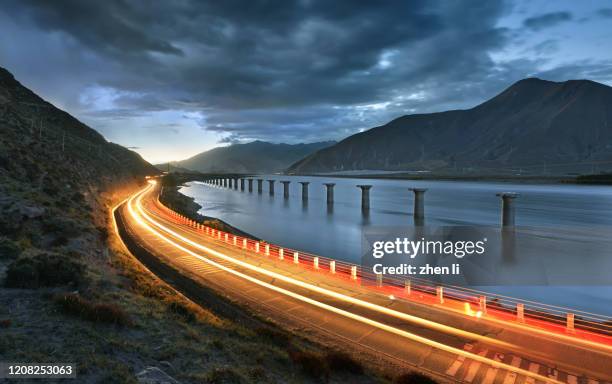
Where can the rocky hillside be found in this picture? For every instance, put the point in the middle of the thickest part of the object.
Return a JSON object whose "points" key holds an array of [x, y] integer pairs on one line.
{"points": [[254, 157], [534, 127]]}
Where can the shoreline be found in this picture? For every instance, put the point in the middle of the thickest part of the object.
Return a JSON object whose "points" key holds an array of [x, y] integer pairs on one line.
{"points": [[174, 199], [404, 176]]}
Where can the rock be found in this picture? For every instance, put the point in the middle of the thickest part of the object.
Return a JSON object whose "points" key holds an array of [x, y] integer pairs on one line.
{"points": [[154, 375]]}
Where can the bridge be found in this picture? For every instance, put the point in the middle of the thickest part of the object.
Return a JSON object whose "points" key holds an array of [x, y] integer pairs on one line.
{"points": [[451, 335]]}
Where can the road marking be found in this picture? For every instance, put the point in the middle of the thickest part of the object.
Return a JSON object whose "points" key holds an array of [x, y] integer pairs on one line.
{"points": [[492, 371], [533, 367], [142, 218], [511, 376], [474, 367], [452, 370]]}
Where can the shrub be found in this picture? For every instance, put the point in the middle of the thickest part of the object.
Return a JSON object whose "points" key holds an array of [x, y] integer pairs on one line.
{"points": [[75, 305], [414, 378], [8, 249], [338, 361], [44, 269], [311, 363]]}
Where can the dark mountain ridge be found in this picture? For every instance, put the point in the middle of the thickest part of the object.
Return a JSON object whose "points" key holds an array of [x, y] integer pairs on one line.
{"points": [[254, 157], [41, 142], [534, 126]]}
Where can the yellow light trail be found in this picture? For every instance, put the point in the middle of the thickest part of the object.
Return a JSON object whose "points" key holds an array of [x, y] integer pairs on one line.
{"points": [[359, 318], [602, 348]]}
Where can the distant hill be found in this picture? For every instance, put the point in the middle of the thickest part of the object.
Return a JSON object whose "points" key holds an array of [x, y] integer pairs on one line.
{"points": [[172, 167], [254, 157], [534, 127]]}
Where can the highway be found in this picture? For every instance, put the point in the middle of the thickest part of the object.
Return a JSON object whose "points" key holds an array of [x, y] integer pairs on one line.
{"points": [[449, 345]]}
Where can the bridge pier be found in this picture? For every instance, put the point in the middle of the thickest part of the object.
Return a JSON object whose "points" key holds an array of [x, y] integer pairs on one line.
{"points": [[508, 212], [242, 184], [259, 186], [250, 185], [271, 187], [304, 190], [365, 197], [235, 183], [285, 188], [330, 192], [419, 205]]}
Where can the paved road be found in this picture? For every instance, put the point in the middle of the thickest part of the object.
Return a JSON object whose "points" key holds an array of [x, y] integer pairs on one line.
{"points": [[447, 344]]}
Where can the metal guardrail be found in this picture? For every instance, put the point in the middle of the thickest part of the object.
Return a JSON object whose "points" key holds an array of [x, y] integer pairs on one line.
{"points": [[524, 311]]}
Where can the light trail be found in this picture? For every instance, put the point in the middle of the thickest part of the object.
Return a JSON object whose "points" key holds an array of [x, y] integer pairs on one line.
{"points": [[359, 318], [567, 339]]}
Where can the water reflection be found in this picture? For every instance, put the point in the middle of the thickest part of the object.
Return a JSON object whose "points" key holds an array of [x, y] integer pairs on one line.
{"points": [[305, 221]]}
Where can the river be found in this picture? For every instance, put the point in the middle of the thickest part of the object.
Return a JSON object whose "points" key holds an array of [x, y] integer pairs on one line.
{"points": [[585, 211]]}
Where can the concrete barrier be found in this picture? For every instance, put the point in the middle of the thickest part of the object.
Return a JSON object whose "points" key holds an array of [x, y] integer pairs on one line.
{"points": [[520, 312], [440, 294]]}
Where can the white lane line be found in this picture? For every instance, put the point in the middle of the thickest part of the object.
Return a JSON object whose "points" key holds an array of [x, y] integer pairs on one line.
{"points": [[511, 376], [492, 371], [142, 218], [474, 367], [454, 368]]}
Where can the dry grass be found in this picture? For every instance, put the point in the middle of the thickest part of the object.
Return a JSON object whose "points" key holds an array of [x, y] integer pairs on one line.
{"points": [[108, 313], [44, 269]]}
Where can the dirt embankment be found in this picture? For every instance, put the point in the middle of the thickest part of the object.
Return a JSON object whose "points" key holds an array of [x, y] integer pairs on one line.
{"points": [[185, 205]]}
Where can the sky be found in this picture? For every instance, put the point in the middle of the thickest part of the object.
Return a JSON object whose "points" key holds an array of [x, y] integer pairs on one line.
{"points": [[170, 79]]}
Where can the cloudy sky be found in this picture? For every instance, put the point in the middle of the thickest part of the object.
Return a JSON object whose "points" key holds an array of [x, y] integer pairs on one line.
{"points": [[174, 78]]}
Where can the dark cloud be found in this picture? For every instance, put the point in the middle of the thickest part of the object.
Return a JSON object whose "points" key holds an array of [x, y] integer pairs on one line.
{"points": [[305, 70], [605, 13], [547, 20]]}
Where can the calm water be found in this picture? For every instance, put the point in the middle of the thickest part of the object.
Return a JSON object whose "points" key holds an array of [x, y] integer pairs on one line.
{"points": [[568, 214]]}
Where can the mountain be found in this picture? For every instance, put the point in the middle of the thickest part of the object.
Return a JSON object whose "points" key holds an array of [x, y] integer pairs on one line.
{"points": [[43, 144], [533, 127], [51, 162], [254, 157]]}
